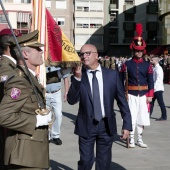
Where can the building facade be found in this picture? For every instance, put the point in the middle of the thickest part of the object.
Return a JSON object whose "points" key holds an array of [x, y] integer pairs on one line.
{"points": [[164, 16], [108, 24], [19, 14], [122, 18]]}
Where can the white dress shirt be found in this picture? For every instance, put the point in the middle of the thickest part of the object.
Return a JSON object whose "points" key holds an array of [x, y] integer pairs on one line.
{"points": [[158, 78], [100, 82], [11, 58]]}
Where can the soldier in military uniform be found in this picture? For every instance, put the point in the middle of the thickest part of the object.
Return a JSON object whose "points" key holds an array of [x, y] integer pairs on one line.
{"points": [[26, 147], [7, 65], [140, 87]]}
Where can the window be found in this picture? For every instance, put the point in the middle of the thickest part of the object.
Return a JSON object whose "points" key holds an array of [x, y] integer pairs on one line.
{"points": [[129, 2], [129, 34], [129, 17], [61, 21], [96, 22], [92, 39], [87, 6], [113, 36], [96, 6], [89, 22], [61, 4], [81, 39], [82, 22], [113, 1], [2, 18], [48, 4], [82, 6]]}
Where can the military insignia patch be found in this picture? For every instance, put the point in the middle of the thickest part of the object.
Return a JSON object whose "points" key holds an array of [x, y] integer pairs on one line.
{"points": [[15, 93], [4, 78]]}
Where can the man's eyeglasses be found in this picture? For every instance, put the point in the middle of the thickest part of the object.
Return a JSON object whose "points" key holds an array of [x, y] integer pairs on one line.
{"points": [[87, 53]]}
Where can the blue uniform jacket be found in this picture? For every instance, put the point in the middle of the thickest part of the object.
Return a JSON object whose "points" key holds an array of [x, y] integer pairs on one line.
{"points": [[140, 73]]}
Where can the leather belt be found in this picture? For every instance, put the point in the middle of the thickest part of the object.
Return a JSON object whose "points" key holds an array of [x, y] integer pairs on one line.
{"points": [[139, 88], [53, 91]]}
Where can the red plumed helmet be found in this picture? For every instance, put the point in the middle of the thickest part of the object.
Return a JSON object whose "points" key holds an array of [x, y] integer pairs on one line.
{"points": [[138, 43]]}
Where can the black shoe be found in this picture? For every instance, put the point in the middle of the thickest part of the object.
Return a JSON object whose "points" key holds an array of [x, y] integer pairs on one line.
{"points": [[161, 119], [57, 141]]}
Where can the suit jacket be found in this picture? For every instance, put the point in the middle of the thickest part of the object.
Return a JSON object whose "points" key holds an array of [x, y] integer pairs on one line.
{"points": [[112, 88], [26, 145]]}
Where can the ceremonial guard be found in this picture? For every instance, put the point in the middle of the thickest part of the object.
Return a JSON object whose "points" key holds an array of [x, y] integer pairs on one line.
{"points": [[7, 65], [26, 146], [139, 87], [7, 62]]}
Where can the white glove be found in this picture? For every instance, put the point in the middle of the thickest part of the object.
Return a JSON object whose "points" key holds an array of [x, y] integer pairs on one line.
{"points": [[43, 120]]}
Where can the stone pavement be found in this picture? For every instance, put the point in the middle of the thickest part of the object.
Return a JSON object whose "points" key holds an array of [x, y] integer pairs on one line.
{"points": [[156, 136]]}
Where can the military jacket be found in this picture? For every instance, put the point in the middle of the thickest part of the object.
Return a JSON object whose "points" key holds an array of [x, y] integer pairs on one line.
{"points": [[6, 69], [140, 73], [26, 145]]}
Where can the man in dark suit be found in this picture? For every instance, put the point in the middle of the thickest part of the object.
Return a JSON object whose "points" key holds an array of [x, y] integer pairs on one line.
{"points": [[96, 120], [26, 146]]}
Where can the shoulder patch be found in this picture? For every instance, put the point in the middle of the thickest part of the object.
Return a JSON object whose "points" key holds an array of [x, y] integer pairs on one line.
{"points": [[15, 93]]}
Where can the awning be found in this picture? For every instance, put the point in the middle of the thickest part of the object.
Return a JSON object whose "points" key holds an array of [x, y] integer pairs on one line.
{"points": [[23, 17]]}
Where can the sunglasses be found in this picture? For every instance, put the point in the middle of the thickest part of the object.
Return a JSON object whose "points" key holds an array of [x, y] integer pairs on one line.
{"points": [[87, 53]]}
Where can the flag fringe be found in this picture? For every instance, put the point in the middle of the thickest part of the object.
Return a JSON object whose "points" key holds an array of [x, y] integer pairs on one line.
{"points": [[63, 64]]}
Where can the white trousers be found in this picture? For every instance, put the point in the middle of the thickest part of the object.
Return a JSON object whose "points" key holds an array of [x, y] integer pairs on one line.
{"points": [[54, 102], [139, 112]]}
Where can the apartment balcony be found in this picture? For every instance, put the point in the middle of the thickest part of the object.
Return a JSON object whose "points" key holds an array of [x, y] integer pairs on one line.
{"points": [[88, 30], [152, 9], [81, 14], [113, 7]]}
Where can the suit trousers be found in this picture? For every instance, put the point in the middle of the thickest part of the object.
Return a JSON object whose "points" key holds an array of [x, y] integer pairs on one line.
{"points": [[158, 95], [100, 135]]}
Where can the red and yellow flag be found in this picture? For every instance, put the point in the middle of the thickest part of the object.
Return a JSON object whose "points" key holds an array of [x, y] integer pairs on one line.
{"points": [[61, 51], [58, 50]]}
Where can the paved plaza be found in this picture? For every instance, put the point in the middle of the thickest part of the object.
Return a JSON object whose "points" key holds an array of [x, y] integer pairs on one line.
{"points": [[156, 136]]}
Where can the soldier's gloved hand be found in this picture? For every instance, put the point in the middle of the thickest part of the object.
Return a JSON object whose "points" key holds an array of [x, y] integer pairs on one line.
{"points": [[43, 120]]}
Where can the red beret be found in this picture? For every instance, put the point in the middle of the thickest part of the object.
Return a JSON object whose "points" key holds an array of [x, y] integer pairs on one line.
{"points": [[5, 31]]}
